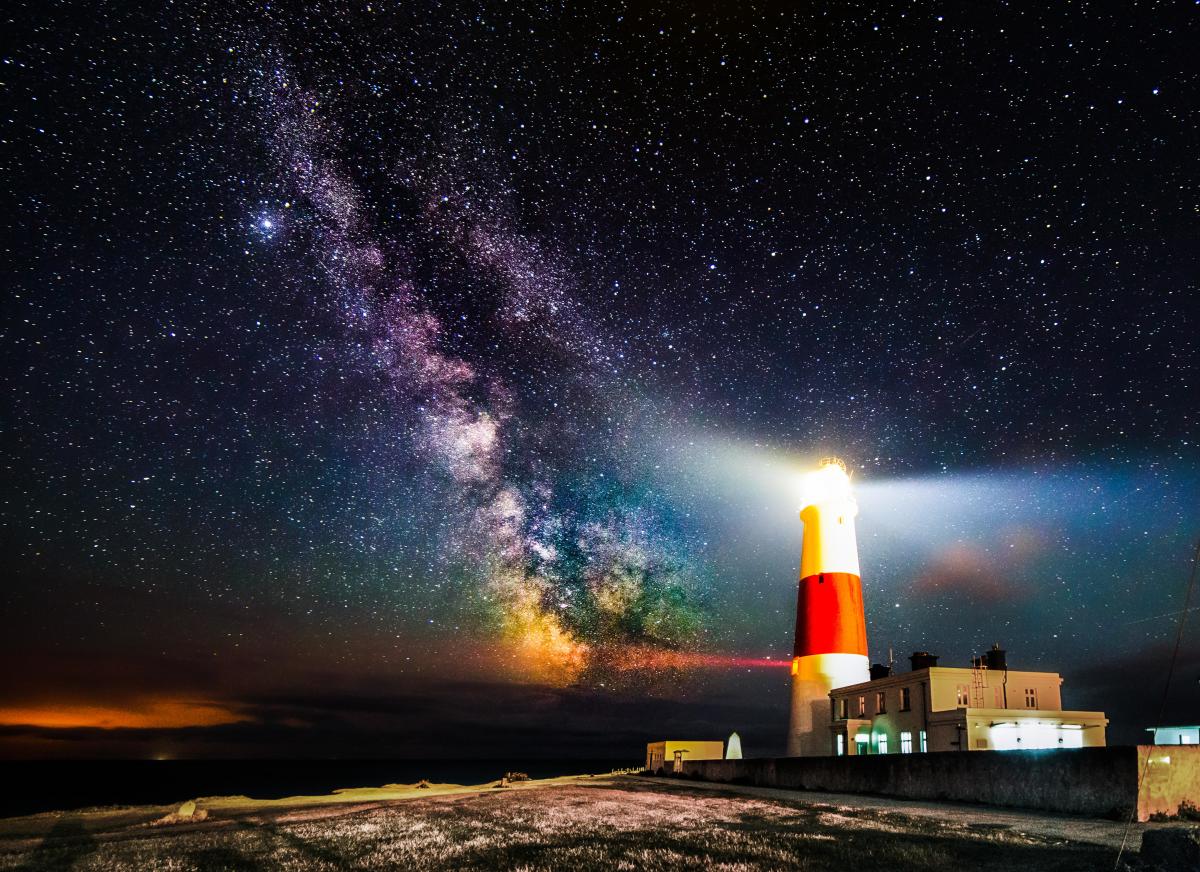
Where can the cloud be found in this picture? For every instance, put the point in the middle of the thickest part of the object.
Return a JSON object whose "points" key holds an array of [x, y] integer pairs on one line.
{"points": [[963, 570], [139, 713], [972, 572]]}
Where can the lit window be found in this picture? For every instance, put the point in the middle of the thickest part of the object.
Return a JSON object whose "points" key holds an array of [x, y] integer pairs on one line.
{"points": [[1031, 697], [880, 702], [905, 699], [882, 743], [906, 743], [862, 744], [862, 706], [843, 708], [841, 744], [964, 695], [1185, 739], [924, 745]]}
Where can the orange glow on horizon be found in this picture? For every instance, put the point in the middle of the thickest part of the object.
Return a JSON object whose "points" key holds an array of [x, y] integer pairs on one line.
{"points": [[142, 714]]}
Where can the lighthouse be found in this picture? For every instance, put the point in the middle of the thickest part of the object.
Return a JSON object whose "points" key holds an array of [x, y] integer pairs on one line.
{"points": [[831, 630]]}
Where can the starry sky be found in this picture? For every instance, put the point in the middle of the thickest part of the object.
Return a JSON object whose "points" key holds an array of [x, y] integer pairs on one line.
{"points": [[435, 379]]}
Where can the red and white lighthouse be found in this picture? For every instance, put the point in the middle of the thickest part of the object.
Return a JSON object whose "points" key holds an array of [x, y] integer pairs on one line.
{"points": [[831, 629]]}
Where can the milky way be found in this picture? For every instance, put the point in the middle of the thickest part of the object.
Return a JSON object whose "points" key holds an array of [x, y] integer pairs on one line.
{"points": [[430, 351], [574, 586]]}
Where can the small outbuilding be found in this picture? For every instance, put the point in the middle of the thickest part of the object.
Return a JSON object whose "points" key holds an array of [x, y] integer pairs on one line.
{"points": [[668, 756], [1176, 735]]}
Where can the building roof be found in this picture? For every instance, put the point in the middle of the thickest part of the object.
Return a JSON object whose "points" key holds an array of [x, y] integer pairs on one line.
{"points": [[900, 678]]}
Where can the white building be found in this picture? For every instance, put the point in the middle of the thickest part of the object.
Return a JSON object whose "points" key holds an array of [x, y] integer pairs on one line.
{"points": [[1175, 735], [987, 707], [669, 755]]}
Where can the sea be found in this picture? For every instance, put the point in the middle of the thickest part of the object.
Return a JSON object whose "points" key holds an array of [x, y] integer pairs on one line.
{"points": [[34, 786]]}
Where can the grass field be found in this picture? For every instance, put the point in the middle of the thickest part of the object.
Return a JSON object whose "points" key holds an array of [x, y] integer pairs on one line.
{"points": [[575, 824]]}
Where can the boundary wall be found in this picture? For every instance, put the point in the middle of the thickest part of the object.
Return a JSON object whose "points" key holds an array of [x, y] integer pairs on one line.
{"points": [[1102, 782]]}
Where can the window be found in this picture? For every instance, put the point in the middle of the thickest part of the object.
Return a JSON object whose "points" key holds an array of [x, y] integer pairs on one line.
{"points": [[862, 744], [841, 744], [905, 699], [880, 702], [924, 745], [963, 696], [882, 743], [1185, 739], [843, 708], [906, 743], [1031, 697], [862, 706]]}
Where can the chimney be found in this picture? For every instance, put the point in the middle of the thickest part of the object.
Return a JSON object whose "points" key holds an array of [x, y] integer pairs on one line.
{"points": [[922, 660], [878, 671], [995, 659]]}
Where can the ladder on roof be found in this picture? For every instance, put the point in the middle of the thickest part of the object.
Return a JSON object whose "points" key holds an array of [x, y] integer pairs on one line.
{"points": [[978, 681]]}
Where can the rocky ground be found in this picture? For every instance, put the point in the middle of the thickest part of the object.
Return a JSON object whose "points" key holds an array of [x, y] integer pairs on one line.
{"points": [[576, 823]]}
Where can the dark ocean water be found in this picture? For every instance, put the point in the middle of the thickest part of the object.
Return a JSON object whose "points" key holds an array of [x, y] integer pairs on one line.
{"points": [[29, 787]]}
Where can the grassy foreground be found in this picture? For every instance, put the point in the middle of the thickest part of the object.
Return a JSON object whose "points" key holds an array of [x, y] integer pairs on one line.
{"points": [[578, 824]]}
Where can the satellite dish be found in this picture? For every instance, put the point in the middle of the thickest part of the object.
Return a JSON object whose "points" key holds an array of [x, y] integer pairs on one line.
{"points": [[733, 748]]}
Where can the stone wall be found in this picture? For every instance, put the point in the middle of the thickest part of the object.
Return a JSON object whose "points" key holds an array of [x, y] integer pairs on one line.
{"points": [[1171, 779], [1088, 781]]}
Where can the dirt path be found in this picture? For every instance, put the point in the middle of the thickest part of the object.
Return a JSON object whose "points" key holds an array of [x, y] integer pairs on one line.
{"points": [[1035, 823]]}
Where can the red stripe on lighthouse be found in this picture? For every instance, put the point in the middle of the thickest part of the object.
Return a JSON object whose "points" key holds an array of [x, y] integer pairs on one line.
{"points": [[829, 615]]}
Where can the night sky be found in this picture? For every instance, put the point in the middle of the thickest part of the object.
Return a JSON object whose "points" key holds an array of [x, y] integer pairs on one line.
{"points": [[435, 380]]}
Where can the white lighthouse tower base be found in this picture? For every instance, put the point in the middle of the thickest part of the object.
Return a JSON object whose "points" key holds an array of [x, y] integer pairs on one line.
{"points": [[813, 677]]}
